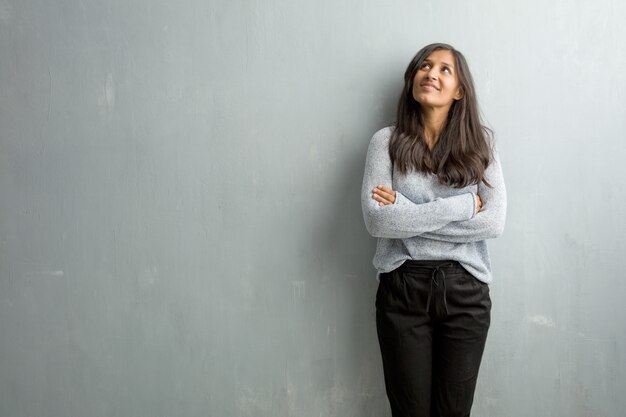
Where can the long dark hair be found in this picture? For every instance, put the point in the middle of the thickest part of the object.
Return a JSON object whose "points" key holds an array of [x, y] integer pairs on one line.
{"points": [[463, 149]]}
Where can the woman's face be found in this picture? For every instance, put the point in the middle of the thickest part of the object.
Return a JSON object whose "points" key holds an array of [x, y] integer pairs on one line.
{"points": [[436, 83]]}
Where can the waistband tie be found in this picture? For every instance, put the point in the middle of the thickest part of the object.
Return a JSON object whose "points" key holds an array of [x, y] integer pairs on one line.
{"points": [[434, 280]]}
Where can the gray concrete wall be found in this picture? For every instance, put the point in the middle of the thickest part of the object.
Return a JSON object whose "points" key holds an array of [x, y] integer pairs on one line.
{"points": [[180, 225]]}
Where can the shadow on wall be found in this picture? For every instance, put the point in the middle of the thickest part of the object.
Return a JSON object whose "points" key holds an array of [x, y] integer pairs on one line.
{"points": [[351, 374]]}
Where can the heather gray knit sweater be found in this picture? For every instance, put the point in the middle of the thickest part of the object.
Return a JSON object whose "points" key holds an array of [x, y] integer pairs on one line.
{"points": [[430, 221]]}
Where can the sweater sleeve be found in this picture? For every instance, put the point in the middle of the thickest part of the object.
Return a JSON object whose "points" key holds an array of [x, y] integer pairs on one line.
{"points": [[489, 222], [404, 218]]}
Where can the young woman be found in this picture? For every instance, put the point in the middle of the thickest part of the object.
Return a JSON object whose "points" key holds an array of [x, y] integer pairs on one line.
{"points": [[433, 193]]}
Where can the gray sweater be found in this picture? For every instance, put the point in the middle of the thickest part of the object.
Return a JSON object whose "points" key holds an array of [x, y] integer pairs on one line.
{"points": [[428, 220]]}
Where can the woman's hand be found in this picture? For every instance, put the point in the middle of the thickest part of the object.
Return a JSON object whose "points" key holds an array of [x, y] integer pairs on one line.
{"points": [[479, 203], [384, 195]]}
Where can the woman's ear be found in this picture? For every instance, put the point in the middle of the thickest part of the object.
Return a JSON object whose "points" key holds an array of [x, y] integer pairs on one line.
{"points": [[459, 94]]}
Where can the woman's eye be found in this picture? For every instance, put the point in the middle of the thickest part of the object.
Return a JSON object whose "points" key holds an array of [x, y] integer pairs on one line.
{"points": [[446, 69]]}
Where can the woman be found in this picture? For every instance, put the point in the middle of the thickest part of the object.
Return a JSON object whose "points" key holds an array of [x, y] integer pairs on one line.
{"points": [[433, 192]]}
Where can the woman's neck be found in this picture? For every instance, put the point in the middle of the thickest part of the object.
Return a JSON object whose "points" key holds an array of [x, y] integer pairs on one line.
{"points": [[433, 120]]}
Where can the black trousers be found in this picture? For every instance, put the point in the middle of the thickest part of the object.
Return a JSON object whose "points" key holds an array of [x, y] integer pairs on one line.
{"points": [[432, 319]]}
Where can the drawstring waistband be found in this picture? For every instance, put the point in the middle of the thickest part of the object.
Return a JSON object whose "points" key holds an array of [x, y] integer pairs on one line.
{"points": [[441, 269], [433, 279]]}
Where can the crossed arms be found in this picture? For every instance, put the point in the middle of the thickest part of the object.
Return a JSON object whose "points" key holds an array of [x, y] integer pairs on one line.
{"points": [[451, 219]]}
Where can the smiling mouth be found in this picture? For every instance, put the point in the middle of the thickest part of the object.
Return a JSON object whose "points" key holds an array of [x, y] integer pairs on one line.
{"points": [[429, 88]]}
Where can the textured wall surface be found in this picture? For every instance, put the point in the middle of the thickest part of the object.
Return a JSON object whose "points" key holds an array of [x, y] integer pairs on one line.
{"points": [[180, 225]]}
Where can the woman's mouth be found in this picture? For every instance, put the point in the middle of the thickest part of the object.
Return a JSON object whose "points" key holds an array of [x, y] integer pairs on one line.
{"points": [[429, 87]]}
